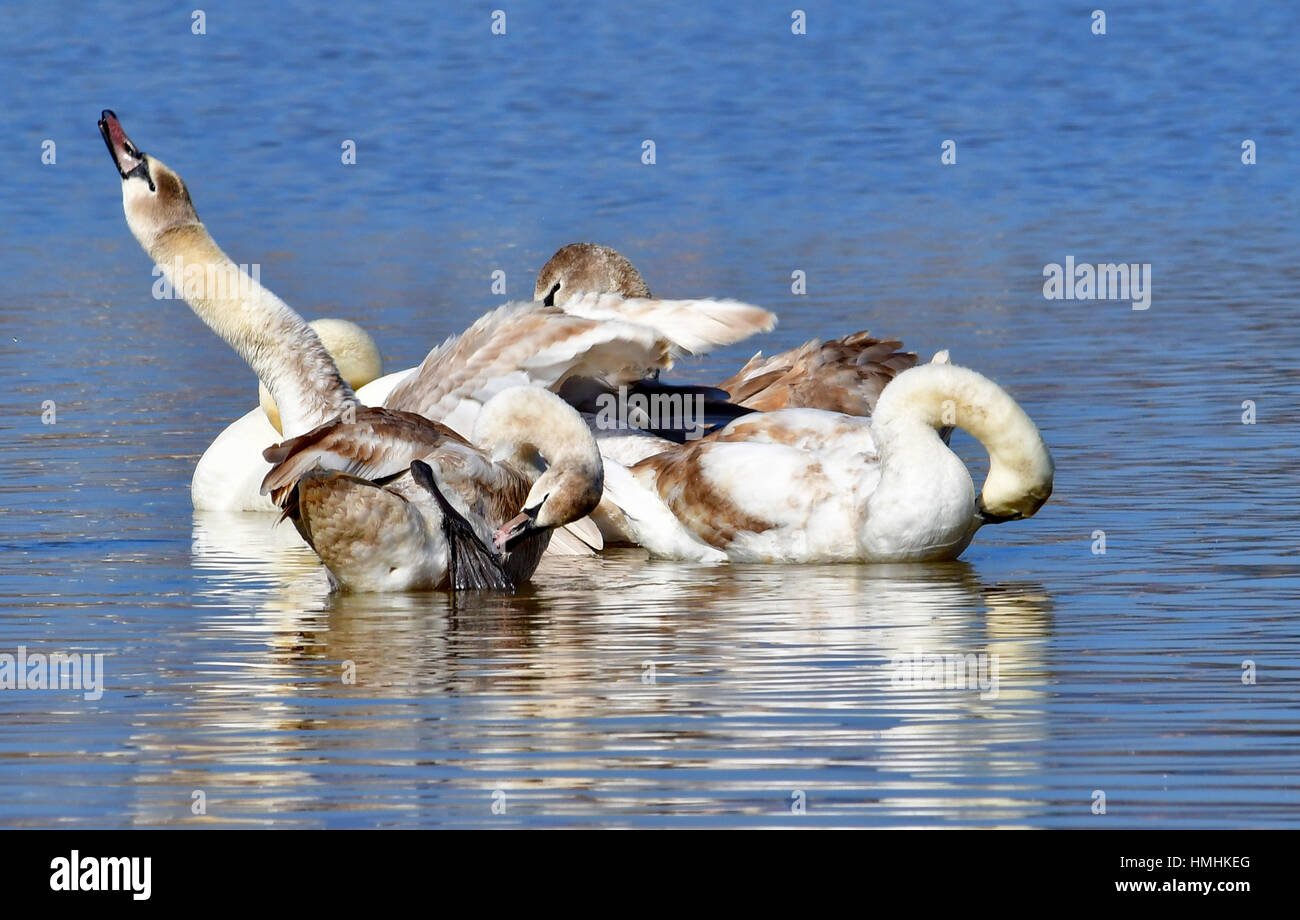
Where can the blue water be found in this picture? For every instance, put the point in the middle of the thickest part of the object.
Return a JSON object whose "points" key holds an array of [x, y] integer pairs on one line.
{"points": [[1119, 672]]}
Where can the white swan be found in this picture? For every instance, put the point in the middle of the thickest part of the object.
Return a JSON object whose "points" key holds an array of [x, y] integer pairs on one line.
{"points": [[309, 393], [275, 341], [805, 485], [228, 477]]}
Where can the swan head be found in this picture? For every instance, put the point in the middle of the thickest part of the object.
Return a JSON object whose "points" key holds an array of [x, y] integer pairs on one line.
{"points": [[537, 431], [586, 268], [354, 352], [154, 198], [939, 395]]}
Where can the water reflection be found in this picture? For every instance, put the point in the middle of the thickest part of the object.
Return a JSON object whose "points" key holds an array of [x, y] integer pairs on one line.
{"points": [[612, 687]]}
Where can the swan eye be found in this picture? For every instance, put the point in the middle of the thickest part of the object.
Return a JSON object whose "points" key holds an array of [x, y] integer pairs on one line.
{"points": [[550, 298]]}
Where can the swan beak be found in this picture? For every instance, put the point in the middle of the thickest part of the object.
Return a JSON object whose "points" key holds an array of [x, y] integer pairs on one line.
{"points": [[517, 528], [986, 517], [127, 157]]}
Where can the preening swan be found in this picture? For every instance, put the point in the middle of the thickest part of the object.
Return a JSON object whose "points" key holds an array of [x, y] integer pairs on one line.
{"points": [[516, 344], [804, 485], [309, 392], [229, 475], [843, 375], [391, 501]]}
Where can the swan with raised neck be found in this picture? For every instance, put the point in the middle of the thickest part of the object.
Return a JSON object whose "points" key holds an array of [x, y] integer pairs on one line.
{"points": [[274, 340]]}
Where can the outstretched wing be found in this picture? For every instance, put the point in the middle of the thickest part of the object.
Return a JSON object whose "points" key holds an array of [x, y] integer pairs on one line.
{"points": [[692, 327], [524, 344]]}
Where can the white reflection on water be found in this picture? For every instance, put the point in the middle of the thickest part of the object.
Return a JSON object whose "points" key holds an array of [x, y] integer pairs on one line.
{"points": [[763, 678]]}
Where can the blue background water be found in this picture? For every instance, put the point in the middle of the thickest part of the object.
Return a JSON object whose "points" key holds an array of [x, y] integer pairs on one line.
{"points": [[1119, 672]]}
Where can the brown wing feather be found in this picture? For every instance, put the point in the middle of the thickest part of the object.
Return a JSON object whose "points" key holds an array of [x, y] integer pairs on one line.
{"points": [[374, 444], [843, 375]]}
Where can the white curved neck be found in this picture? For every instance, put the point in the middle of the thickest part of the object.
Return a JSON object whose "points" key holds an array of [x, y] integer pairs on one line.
{"points": [[521, 423], [938, 395], [275, 341]]}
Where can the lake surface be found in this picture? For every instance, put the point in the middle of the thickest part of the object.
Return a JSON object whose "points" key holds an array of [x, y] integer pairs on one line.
{"points": [[615, 690]]}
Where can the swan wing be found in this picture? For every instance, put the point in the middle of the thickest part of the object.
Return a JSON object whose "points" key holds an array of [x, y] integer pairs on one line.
{"points": [[693, 327], [523, 344], [377, 443], [792, 492], [842, 375]]}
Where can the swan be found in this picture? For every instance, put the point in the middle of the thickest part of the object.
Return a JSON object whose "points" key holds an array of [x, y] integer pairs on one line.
{"points": [[843, 375], [320, 416], [593, 338], [284, 352], [228, 477], [807, 485], [391, 501]]}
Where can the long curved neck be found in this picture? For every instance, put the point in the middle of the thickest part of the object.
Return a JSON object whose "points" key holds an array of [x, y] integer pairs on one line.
{"points": [[939, 395], [275, 341], [519, 424]]}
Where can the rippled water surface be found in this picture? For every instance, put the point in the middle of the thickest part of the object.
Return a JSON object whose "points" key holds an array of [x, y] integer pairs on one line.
{"points": [[617, 691]]}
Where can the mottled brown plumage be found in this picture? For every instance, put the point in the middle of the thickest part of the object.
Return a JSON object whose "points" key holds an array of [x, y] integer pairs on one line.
{"points": [[373, 444], [689, 494], [843, 375], [580, 267]]}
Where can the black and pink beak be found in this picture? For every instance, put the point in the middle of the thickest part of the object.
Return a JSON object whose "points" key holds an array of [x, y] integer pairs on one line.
{"points": [[518, 528], [127, 157]]}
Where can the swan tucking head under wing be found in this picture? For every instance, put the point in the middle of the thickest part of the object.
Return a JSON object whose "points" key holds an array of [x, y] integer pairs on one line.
{"points": [[943, 395], [580, 268]]}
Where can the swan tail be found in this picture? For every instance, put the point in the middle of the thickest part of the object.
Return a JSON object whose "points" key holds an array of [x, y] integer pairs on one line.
{"points": [[577, 538]]}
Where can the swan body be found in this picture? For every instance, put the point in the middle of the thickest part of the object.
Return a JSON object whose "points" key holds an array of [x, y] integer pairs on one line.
{"points": [[843, 375], [390, 500], [228, 477], [805, 485]]}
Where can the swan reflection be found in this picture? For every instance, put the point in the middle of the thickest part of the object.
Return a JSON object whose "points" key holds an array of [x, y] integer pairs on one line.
{"points": [[613, 687]]}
